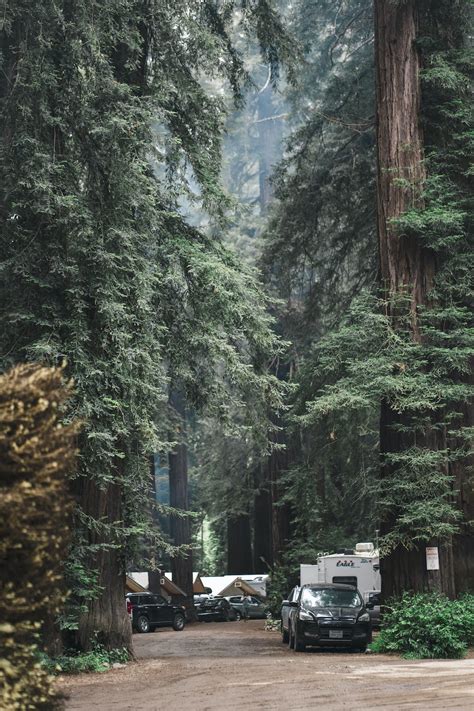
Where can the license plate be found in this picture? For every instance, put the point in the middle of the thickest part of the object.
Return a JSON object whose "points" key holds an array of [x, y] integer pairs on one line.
{"points": [[335, 634]]}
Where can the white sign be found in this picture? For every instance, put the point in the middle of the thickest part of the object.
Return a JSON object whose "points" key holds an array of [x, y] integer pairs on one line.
{"points": [[432, 558]]}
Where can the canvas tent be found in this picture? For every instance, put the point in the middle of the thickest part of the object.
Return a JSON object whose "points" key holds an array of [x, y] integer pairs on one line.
{"points": [[198, 585], [226, 585], [141, 580], [133, 586]]}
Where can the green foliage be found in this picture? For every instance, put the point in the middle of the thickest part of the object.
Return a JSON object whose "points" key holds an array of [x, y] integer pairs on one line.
{"points": [[219, 335], [320, 241], [83, 584], [427, 626], [370, 359], [277, 589], [98, 659]]}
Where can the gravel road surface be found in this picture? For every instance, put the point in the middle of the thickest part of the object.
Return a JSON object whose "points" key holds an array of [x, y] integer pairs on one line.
{"points": [[238, 665]]}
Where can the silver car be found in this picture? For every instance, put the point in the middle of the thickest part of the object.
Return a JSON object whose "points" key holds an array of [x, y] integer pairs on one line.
{"points": [[255, 608], [285, 612]]}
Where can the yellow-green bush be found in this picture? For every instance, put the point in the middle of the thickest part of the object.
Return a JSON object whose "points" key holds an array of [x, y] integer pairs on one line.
{"points": [[35, 454]]}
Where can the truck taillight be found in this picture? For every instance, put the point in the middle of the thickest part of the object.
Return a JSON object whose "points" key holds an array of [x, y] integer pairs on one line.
{"points": [[129, 607]]}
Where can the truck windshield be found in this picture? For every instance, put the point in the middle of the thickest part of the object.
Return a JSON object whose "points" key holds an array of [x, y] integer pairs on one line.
{"points": [[323, 597]]}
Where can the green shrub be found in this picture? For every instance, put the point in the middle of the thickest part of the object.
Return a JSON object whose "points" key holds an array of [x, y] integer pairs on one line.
{"points": [[427, 626], [272, 625], [465, 609], [98, 659], [278, 589], [36, 454]]}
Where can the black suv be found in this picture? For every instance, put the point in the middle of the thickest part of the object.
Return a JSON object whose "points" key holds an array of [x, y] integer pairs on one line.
{"points": [[148, 611], [328, 615]]}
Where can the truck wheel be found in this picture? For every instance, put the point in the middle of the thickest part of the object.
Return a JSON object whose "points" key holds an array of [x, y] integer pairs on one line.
{"points": [[178, 623], [143, 624], [291, 641]]}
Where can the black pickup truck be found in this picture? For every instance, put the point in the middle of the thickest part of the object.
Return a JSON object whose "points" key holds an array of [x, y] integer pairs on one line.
{"points": [[148, 611]]}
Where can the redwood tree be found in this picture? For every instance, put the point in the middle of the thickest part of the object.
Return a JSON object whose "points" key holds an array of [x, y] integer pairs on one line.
{"points": [[408, 266]]}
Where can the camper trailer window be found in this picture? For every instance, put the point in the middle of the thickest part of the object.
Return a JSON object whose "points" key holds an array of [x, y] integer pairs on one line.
{"points": [[345, 580]]}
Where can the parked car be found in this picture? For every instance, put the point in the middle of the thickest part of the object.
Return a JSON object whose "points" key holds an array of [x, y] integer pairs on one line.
{"points": [[329, 615], [285, 612], [149, 611], [217, 609], [373, 606], [256, 609]]}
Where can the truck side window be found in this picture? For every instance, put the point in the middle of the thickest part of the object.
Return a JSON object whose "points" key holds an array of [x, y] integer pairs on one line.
{"points": [[158, 600]]}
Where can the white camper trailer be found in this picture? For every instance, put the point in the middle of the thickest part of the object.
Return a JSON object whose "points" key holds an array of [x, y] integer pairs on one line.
{"points": [[359, 568]]}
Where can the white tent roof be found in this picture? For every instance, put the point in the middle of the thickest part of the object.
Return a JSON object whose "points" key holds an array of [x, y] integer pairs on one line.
{"points": [[170, 576], [140, 578], [218, 583]]}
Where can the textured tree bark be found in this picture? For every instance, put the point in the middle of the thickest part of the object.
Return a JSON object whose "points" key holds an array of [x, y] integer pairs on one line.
{"points": [[239, 545], [180, 527], [106, 617], [406, 570], [406, 268], [272, 526]]}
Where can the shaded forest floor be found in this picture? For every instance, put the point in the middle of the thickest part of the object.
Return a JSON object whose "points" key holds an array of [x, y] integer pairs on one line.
{"points": [[227, 666]]}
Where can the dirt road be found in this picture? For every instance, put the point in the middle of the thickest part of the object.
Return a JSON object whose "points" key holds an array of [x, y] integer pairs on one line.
{"points": [[237, 665]]}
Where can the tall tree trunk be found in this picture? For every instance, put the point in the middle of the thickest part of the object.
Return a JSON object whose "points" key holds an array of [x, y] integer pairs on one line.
{"points": [[154, 572], [405, 266], [278, 463], [106, 617], [239, 545], [263, 533], [271, 521], [263, 503], [180, 527]]}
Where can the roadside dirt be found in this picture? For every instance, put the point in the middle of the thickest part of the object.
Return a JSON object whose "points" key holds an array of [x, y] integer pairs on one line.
{"points": [[235, 665]]}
